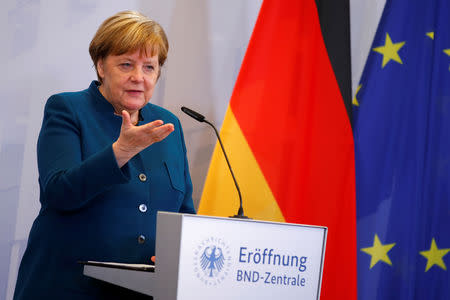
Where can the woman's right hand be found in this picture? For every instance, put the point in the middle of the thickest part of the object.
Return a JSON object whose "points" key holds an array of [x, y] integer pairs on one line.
{"points": [[133, 139]]}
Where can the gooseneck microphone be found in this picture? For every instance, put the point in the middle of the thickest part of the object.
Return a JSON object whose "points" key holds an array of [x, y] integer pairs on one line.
{"points": [[201, 118]]}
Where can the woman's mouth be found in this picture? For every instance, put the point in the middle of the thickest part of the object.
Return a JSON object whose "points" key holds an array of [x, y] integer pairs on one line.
{"points": [[134, 92]]}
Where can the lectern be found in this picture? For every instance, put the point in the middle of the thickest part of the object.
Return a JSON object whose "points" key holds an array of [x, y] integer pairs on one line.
{"points": [[202, 257]]}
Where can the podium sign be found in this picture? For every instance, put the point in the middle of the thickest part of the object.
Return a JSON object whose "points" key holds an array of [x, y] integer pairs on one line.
{"points": [[244, 259], [203, 258]]}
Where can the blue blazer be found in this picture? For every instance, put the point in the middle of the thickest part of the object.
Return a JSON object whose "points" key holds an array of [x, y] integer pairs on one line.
{"points": [[90, 208]]}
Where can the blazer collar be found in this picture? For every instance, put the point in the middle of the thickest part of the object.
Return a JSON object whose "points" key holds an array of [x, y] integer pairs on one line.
{"points": [[104, 106]]}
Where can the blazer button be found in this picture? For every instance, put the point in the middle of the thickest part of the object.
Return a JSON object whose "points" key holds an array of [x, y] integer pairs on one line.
{"points": [[141, 239], [142, 177], [143, 208]]}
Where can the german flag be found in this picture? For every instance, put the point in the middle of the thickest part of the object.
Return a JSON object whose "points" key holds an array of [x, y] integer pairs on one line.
{"points": [[288, 135]]}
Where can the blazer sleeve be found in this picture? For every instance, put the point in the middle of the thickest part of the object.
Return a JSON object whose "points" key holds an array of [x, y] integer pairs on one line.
{"points": [[67, 181], [188, 205]]}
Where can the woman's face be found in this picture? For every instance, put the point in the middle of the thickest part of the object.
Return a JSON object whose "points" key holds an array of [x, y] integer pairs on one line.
{"points": [[128, 79]]}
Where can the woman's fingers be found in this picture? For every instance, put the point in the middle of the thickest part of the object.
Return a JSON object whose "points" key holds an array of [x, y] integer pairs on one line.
{"points": [[155, 131], [134, 139], [153, 124], [161, 132], [126, 119]]}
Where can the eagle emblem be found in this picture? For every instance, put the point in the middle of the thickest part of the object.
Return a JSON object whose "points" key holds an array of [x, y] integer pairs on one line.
{"points": [[212, 259]]}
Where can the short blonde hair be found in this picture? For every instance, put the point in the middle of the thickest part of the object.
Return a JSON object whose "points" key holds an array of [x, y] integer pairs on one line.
{"points": [[128, 31]]}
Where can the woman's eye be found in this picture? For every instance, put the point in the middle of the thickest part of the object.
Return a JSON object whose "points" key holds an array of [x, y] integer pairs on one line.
{"points": [[125, 65], [149, 68]]}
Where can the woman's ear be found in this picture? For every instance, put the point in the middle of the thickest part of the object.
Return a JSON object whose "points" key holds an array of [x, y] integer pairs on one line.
{"points": [[100, 68]]}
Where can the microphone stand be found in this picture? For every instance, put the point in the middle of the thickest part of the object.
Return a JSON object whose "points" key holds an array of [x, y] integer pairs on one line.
{"points": [[201, 118], [240, 213]]}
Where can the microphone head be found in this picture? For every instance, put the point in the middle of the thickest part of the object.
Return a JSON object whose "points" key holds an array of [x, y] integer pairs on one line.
{"points": [[193, 114]]}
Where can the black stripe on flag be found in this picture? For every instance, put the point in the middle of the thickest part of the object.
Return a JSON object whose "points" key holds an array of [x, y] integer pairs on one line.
{"points": [[334, 18]]}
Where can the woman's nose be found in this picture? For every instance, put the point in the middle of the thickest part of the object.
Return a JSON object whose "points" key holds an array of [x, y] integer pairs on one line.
{"points": [[137, 75]]}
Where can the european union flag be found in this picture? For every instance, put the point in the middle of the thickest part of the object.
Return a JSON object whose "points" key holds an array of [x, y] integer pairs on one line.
{"points": [[402, 142]]}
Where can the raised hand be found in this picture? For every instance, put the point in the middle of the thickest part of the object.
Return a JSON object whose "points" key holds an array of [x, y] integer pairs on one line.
{"points": [[133, 139]]}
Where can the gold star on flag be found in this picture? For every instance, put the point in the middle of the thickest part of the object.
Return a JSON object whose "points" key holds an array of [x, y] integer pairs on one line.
{"points": [[447, 51], [378, 252], [430, 35], [355, 101], [435, 256], [389, 51]]}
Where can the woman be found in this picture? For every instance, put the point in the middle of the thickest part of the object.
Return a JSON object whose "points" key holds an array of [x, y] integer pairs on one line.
{"points": [[108, 161]]}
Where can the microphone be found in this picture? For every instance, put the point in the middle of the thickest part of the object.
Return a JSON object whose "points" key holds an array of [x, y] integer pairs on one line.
{"points": [[201, 118], [194, 114]]}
